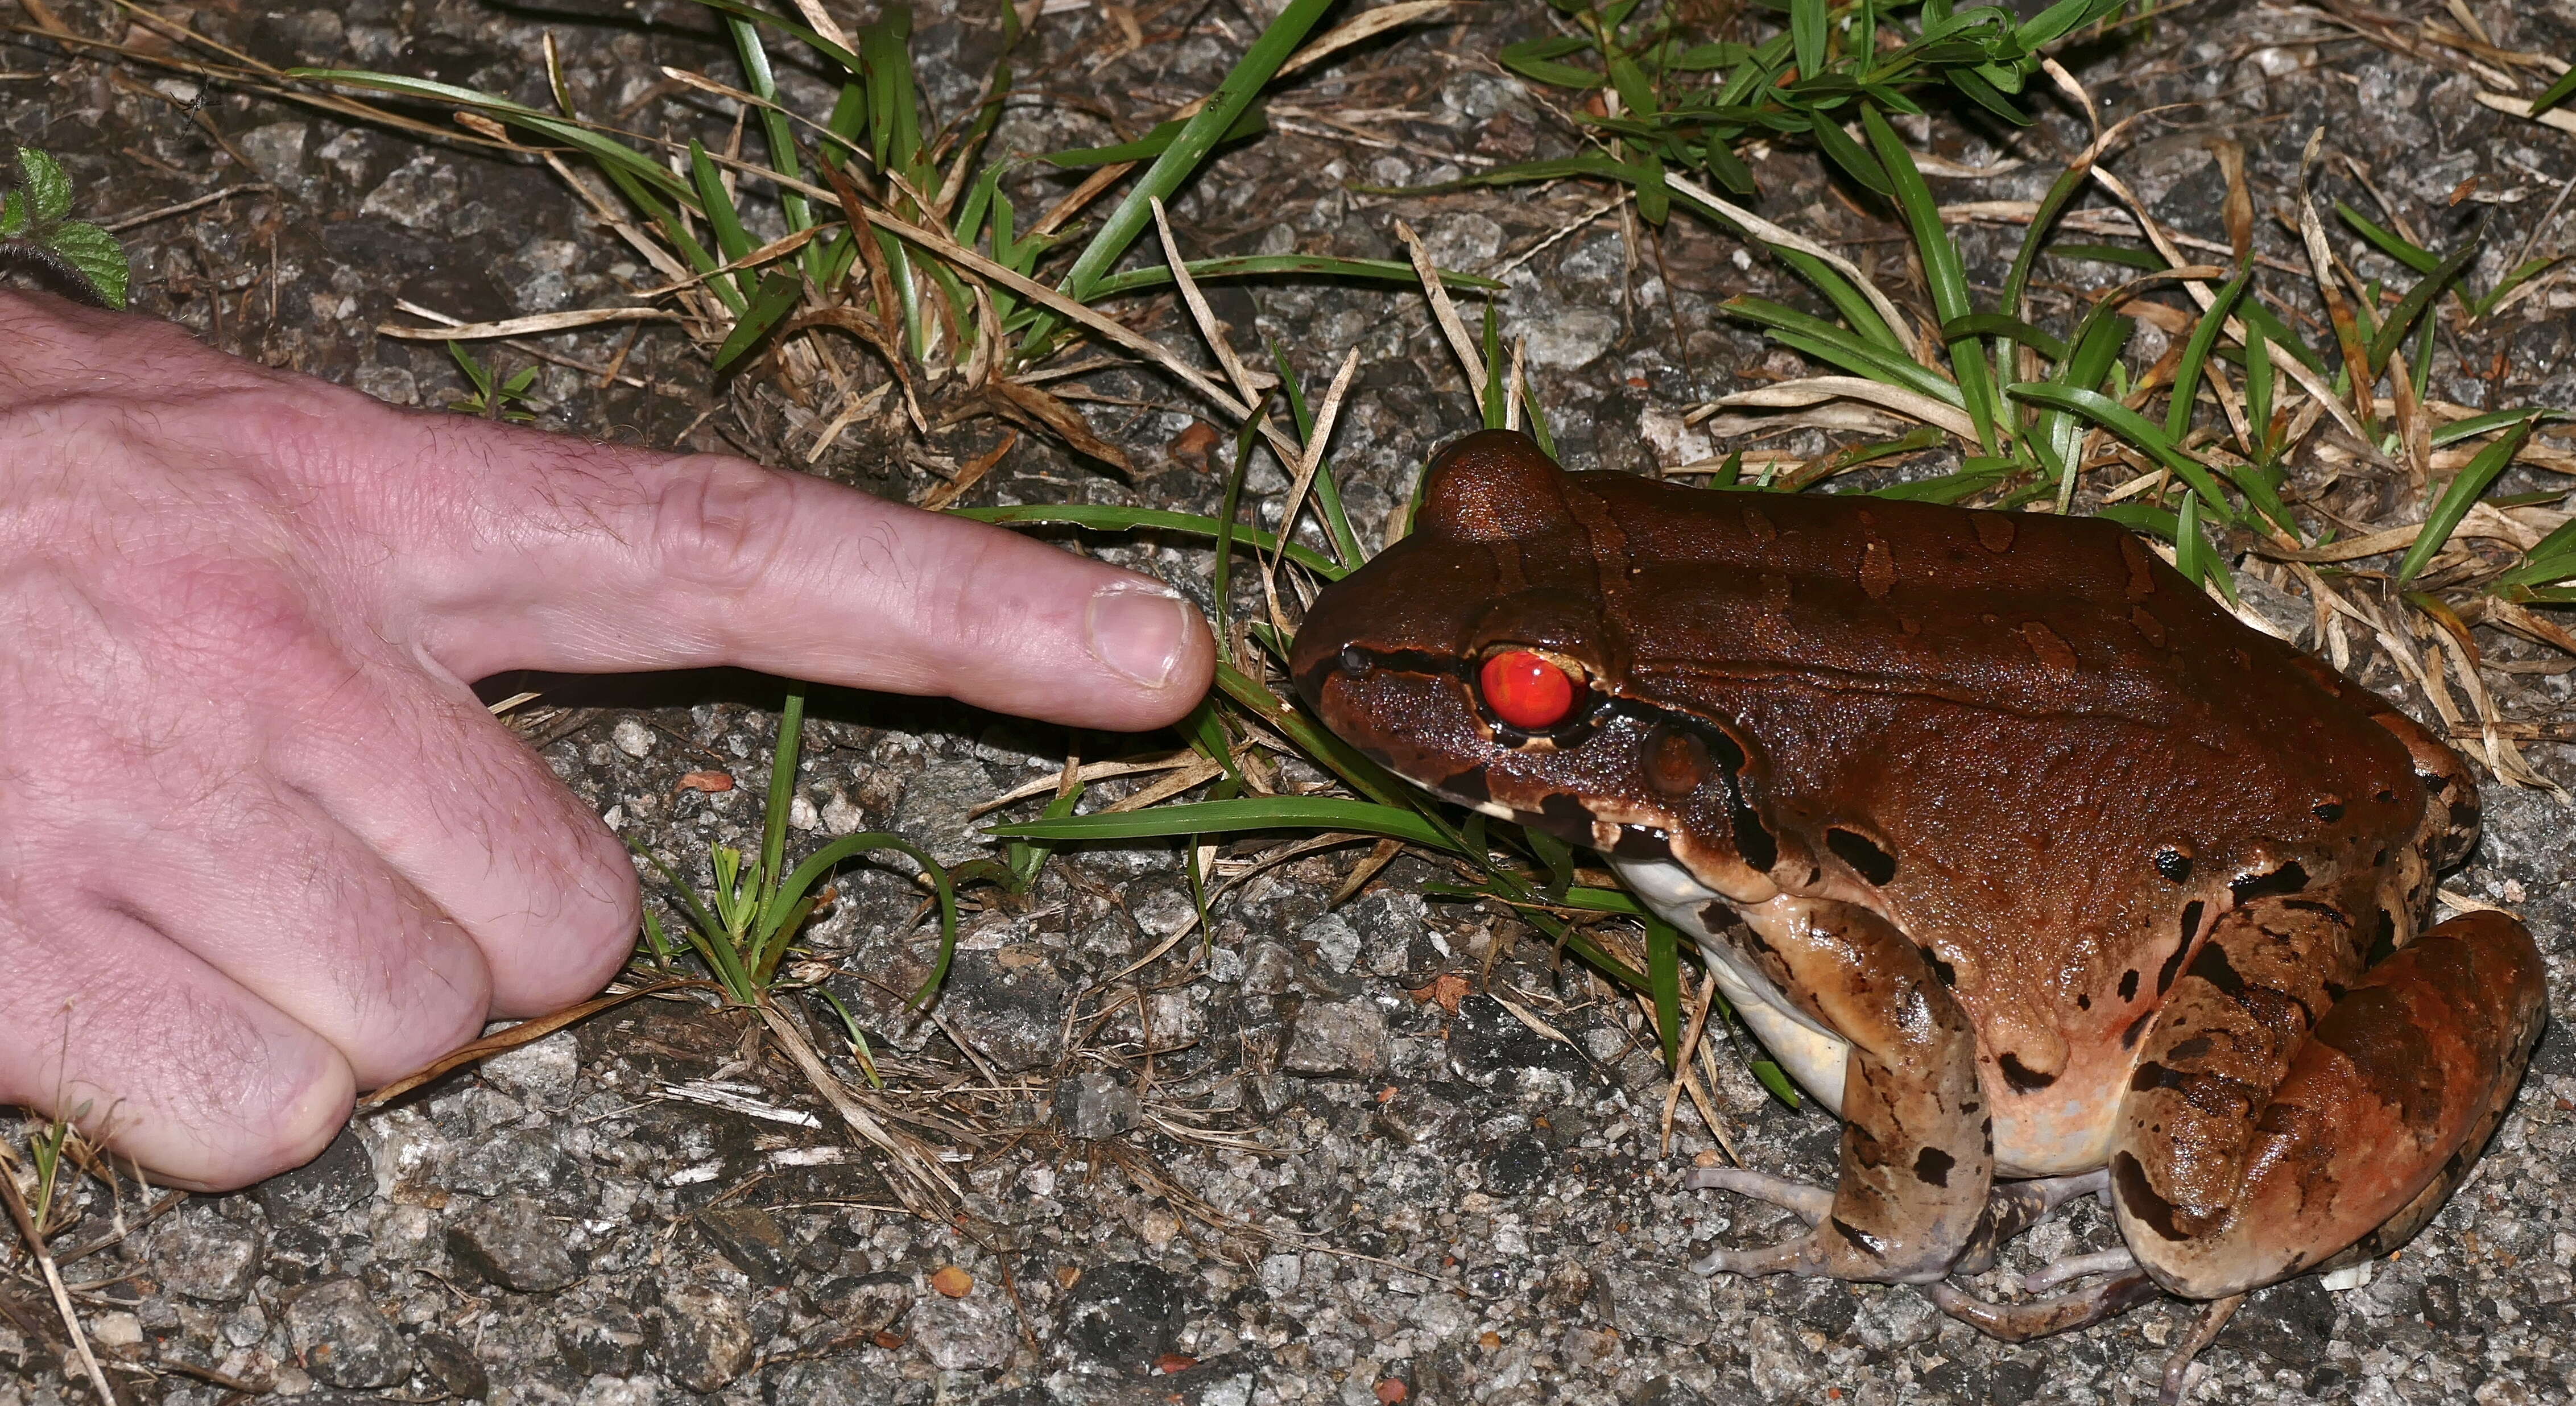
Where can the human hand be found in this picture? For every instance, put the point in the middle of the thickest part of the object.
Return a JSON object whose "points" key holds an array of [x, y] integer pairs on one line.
{"points": [[261, 847]]}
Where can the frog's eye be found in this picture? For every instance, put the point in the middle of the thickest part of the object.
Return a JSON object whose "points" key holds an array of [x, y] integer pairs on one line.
{"points": [[1527, 690]]}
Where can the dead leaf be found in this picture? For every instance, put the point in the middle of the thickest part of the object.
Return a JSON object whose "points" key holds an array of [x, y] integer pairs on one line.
{"points": [[972, 474], [888, 1339], [1446, 991], [710, 782], [510, 1039], [1041, 410], [1194, 445], [953, 1282], [1172, 1362]]}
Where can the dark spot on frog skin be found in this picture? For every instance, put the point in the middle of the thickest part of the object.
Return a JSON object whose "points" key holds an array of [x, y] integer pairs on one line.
{"points": [[2173, 964], [1758, 846], [2129, 984], [2022, 1077], [1863, 854], [2083, 1001], [1942, 971], [1469, 787], [2383, 942], [2140, 1197], [1861, 1240], [1714, 915], [2325, 910], [2194, 1048], [2289, 878], [2138, 1027], [2174, 864], [2435, 783], [2327, 811], [1642, 842], [2465, 814], [1933, 1167], [2150, 1076], [2213, 967], [1568, 814]]}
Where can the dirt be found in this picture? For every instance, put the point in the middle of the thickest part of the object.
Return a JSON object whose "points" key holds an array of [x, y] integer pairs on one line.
{"points": [[1311, 1157]]}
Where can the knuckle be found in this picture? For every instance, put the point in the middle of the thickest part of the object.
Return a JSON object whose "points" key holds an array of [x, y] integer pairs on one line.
{"points": [[721, 522]]}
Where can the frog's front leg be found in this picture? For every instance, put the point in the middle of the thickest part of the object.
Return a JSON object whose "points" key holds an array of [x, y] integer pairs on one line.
{"points": [[1918, 1142], [2276, 1119]]}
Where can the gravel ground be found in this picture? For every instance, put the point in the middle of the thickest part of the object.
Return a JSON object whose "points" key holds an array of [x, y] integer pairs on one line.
{"points": [[1318, 1158]]}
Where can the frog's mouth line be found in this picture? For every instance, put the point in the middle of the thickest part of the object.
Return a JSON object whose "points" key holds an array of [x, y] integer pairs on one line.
{"points": [[1565, 814]]}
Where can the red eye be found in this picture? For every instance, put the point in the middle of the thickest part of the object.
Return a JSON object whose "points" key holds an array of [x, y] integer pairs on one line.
{"points": [[1527, 691]]}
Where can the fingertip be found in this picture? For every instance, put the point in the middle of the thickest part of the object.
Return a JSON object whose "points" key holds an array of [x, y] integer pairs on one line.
{"points": [[1155, 644], [282, 1118]]}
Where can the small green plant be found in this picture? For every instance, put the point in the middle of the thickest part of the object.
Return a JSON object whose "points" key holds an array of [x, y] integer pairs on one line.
{"points": [[38, 233], [493, 399]]}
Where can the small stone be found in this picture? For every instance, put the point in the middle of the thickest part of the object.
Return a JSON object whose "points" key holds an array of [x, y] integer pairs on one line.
{"points": [[1337, 943], [952, 1281], [753, 1240], [115, 1332], [1572, 339], [632, 737], [200, 1254], [539, 1073], [342, 1339], [608, 1345], [706, 1342], [421, 196], [338, 1179], [277, 149], [965, 1331], [1337, 1037], [1658, 1303], [1096, 1104], [447, 1362], [1123, 1315], [513, 1243]]}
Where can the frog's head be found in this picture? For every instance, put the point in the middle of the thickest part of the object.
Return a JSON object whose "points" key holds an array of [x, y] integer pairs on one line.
{"points": [[1481, 659]]}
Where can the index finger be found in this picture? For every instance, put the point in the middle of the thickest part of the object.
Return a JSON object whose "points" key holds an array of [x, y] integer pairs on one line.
{"points": [[519, 549]]}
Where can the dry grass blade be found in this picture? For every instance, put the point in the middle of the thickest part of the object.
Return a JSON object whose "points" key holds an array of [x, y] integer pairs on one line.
{"points": [[1209, 330], [1770, 233], [1815, 390], [525, 326], [53, 1274], [1198, 773], [973, 473], [510, 1039], [1107, 327], [1365, 26], [1461, 342], [1313, 459], [823, 22], [1043, 410], [1080, 774], [2559, 117], [166, 211], [1379, 856], [923, 1186], [2201, 293]]}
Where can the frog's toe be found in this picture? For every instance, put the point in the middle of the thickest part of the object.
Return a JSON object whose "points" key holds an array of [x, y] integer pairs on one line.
{"points": [[1796, 1256], [2049, 1276], [1811, 1203]]}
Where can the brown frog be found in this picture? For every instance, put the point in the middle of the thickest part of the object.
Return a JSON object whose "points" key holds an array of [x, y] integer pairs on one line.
{"points": [[2042, 871]]}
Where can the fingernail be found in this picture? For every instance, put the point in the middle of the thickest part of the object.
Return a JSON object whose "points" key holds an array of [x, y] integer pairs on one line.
{"points": [[1138, 629]]}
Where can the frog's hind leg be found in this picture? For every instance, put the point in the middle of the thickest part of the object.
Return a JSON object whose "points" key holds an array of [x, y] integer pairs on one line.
{"points": [[2021, 1322], [2277, 1118]]}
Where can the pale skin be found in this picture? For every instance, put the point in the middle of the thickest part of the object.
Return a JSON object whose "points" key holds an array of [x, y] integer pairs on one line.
{"points": [[261, 847]]}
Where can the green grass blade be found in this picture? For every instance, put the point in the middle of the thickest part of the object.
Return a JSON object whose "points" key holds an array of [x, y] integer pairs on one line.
{"points": [[2419, 259], [1116, 519], [782, 787], [2133, 427], [1942, 270], [777, 296], [602, 149], [2458, 498], [2555, 93], [2401, 319], [2195, 354], [1197, 138], [717, 205], [1252, 123], [1807, 31], [1822, 339], [736, 8], [2476, 425], [1995, 324], [1664, 982]]}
